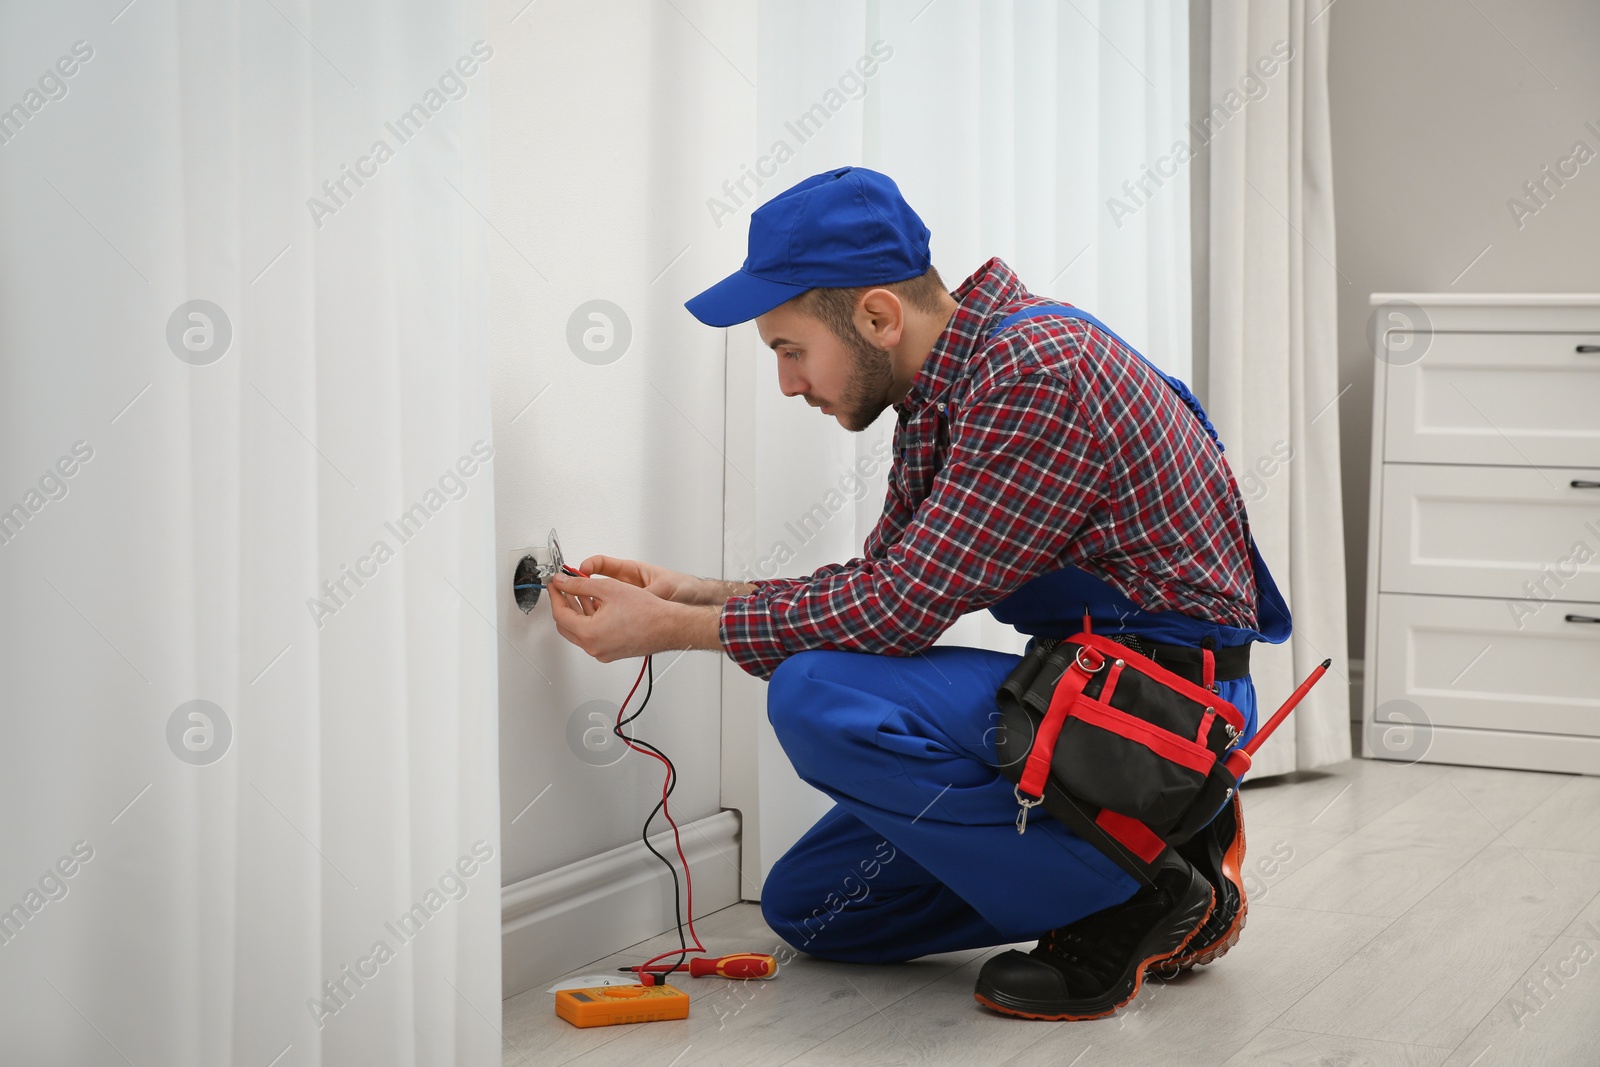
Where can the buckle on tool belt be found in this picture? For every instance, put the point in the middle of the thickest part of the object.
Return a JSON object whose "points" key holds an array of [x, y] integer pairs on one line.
{"points": [[1023, 805]]}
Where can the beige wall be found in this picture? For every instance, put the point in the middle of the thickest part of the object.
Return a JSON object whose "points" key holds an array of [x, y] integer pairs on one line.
{"points": [[1442, 109]]}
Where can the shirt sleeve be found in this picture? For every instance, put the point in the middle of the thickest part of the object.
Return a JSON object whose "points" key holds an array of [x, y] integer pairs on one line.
{"points": [[1020, 478], [767, 586]]}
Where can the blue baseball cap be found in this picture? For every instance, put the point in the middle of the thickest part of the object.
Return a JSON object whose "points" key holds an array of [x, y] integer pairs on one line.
{"points": [[838, 230]]}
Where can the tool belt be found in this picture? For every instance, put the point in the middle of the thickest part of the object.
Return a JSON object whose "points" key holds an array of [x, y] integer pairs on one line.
{"points": [[1227, 664], [1123, 742]]}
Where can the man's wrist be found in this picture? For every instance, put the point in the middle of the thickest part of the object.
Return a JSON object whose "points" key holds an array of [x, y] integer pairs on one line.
{"points": [[694, 626], [716, 591]]}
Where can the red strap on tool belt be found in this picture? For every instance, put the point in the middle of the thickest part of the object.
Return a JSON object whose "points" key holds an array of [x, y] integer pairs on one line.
{"points": [[1132, 834], [1037, 769]]}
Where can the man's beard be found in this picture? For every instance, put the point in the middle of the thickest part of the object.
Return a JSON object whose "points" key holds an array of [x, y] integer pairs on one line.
{"points": [[871, 374]]}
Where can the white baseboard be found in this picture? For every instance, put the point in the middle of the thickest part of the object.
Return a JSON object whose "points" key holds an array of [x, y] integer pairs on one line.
{"points": [[557, 921]]}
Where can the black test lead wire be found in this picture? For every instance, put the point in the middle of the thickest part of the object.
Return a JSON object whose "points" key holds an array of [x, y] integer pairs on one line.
{"points": [[670, 784]]}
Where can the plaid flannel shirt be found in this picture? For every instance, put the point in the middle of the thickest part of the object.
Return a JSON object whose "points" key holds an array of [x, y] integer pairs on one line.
{"points": [[1052, 445]]}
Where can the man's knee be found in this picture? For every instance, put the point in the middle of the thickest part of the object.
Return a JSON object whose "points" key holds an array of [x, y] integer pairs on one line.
{"points": [[776, 910], [793, 678], [796, 703], [785, 902], [803, 923]]}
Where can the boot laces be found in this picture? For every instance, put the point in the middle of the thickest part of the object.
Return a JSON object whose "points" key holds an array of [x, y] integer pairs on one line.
{"points": [[1097, 947]]}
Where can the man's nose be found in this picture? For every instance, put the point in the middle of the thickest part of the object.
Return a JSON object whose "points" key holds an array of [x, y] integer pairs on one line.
{"points": [[790, 382]]}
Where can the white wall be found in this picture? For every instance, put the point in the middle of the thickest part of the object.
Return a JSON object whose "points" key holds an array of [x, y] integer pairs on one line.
{"points": [[1441, 111], [601, 161]]}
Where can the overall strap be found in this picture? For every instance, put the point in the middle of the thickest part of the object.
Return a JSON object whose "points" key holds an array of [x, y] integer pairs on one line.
{"points": [[1190, 401]]}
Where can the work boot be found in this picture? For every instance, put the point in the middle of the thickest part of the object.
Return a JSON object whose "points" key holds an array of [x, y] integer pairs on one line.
{"points": [[1218, 853], [1092, 967]]}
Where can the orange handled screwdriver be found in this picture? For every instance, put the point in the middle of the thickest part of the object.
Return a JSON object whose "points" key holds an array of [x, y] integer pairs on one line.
{"points": [[734, 965]]}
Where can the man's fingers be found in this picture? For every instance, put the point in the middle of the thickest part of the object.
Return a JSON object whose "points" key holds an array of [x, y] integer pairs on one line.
{"points": [[559, 605], [565, 598], [589, 587], [583, 601], [569, 616], [560, 612], [625, 570]]}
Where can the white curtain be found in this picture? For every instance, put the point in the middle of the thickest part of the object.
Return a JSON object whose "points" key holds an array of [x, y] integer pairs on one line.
{"points": [[276, 503], [1042, 133], [1273, 385]]}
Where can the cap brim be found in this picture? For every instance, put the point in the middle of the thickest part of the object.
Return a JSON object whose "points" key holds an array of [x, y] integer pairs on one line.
{"points": [[740, 297]]}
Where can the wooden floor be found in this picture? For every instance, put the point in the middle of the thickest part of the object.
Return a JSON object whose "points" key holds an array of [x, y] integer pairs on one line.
{"points": [[1412, 915]]}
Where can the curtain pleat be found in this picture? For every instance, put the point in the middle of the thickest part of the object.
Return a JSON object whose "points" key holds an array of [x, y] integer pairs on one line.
{"points": [[1273, 380]]}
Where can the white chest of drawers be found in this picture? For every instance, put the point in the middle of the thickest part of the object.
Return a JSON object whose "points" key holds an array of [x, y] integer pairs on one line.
{"points": [[1483, 577]]}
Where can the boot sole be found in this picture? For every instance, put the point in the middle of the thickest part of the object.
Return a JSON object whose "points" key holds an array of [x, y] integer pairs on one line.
{"points": [[1232, 868], [1184, 924]]}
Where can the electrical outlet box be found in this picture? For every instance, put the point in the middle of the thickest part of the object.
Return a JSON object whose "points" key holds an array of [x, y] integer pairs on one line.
{"points": [[534, 567]]}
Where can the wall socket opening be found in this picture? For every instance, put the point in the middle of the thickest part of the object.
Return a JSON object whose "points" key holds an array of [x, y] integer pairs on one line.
{"points": [[533, 571]]}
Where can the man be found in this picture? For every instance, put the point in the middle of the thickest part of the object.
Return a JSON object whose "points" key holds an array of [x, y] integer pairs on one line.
{"points": [[1043, 470]]}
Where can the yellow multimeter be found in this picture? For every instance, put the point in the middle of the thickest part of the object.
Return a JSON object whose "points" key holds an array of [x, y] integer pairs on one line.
{"points": [[613, 1004]]}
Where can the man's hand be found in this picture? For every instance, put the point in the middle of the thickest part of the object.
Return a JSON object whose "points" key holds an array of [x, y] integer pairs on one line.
{"points": [[664, 583], [668, 585], [612, 618]]}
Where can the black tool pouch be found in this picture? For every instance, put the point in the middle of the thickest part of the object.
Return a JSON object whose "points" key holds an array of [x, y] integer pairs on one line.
{"points": [[1120, 750]]}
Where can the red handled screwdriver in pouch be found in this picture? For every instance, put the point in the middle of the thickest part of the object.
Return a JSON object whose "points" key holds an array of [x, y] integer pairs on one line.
{"points": [[734, 965], [1238, 761]]}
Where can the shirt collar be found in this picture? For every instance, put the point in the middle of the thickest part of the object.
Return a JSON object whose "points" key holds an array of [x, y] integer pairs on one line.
{"points": [[979, 302]]}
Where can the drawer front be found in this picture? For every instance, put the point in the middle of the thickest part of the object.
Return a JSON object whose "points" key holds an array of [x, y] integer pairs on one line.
{"points": [[1516, 532], [1502, 398], [1470, 663]]}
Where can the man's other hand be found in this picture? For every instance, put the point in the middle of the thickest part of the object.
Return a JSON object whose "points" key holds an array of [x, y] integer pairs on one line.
{"points": [[666, 584]]}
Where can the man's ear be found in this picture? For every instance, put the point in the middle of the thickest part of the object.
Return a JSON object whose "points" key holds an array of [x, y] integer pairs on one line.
{"points": [[880, 318]]}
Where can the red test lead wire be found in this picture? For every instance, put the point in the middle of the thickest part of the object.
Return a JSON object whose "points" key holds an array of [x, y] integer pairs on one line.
{"points": [[666, 788]]}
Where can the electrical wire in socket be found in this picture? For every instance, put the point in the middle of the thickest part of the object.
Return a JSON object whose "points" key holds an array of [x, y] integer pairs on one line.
{"points": [[534, 570]]}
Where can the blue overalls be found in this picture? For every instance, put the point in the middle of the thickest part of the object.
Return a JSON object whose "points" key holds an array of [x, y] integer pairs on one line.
{"points": [[920, 853]]}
